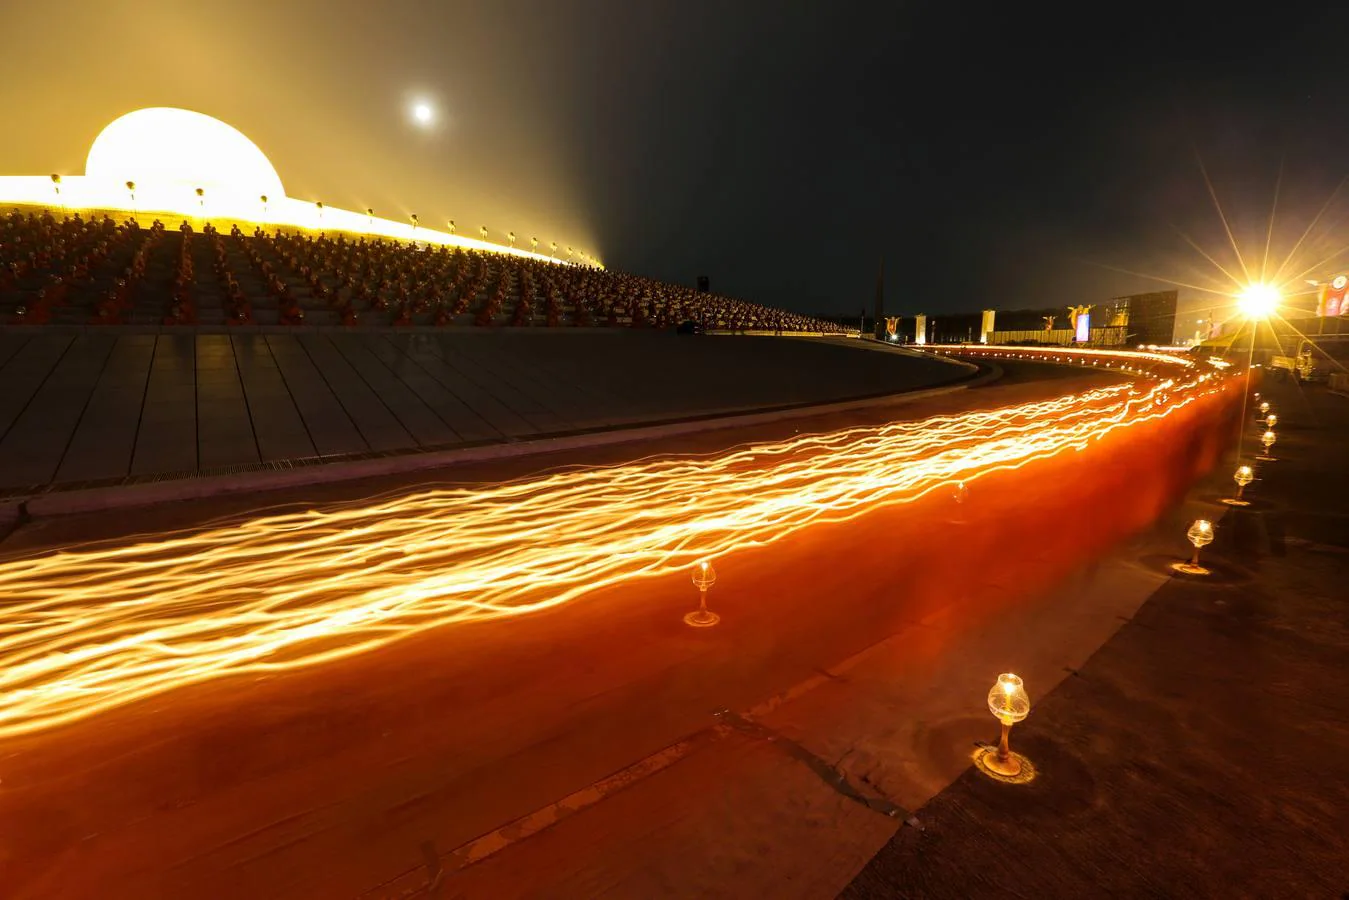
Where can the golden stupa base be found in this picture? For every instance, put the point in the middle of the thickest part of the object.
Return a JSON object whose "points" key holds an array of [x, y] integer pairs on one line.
{"points": [[1189, 568], [702, 618]]}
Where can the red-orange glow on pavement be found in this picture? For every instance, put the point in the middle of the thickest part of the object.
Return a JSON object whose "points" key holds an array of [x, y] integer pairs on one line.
{"points": [[92, 628]]}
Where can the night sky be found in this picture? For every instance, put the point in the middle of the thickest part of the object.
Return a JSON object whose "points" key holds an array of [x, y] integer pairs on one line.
{"points": [[995, 156]]}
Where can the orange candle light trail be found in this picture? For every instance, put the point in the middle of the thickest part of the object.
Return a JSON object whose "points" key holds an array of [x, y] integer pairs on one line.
{"points": [[95, 627]]}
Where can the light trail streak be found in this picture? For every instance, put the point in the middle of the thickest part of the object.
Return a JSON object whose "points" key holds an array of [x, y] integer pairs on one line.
{"points": [[1127, 360], [96, 627]]}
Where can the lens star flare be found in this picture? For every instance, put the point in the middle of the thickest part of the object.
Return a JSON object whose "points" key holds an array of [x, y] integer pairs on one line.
{"points": [[96, 627], [1258, 301]]}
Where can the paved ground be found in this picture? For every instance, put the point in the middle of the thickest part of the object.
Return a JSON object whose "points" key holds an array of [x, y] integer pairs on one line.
{"points": [[1200, 752], [1019, 383], [852, 659], [91, 408]]}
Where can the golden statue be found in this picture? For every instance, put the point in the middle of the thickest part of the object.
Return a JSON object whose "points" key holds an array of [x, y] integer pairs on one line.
{"points": [[1074, 312], [891, 326], [1049, 323]]}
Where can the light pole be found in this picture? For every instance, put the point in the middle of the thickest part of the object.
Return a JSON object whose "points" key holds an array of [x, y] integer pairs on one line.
{"points": [[1257, 302], [1200, 534], [704, 576], [1267, 441], [1009, 704], [1243, 476]]}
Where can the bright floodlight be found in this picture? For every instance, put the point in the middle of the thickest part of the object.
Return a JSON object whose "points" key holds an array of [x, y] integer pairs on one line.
{"points": [[1258, 301], [423, 113]]}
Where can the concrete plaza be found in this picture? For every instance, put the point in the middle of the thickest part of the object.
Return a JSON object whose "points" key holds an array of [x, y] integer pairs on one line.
{"points": [[604, 749], [97, 408], [1184, 733]]}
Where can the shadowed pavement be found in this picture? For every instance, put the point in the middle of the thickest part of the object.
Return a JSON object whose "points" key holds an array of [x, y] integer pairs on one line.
{"points": [[95, 408], [1199, 752]]}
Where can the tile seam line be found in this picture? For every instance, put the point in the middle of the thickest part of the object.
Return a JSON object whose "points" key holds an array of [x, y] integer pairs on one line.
{"points": [[88, 401], [38, 389]]}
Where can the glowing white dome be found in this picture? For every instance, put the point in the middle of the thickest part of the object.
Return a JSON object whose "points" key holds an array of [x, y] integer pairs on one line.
{"points": [[162, 145]]}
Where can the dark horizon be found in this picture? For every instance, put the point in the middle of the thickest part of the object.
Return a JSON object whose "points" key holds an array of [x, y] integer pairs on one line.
{"points": [[994, 157]]}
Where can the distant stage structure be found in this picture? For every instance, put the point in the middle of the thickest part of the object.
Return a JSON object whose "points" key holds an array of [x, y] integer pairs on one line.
{"points": [[176, 162]]}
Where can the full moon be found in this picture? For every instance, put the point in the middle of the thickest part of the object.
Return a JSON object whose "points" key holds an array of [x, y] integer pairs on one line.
{"points": [[423, 113]]}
